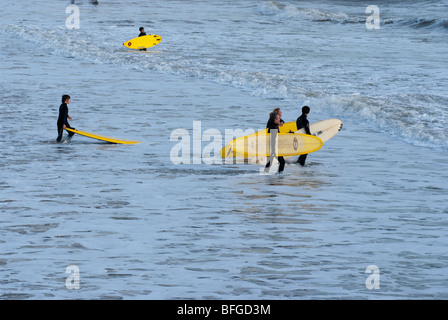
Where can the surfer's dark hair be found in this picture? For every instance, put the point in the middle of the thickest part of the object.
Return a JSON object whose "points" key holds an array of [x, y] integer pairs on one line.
{"points": [[140, 29], [273, 115], [305, 109], [65, 97]]}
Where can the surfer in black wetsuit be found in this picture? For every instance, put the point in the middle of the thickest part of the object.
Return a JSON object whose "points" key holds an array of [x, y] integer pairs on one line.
{"points": [[302, 122], [142, 33], [63, 118], [272, 126]]}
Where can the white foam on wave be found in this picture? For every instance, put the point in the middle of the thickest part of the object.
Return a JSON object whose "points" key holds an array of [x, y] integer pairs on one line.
{"points": [[399, 115], [292, 12], [281, 11]]}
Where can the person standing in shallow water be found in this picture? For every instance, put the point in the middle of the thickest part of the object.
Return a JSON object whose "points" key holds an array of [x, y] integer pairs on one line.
{"points": [[302, 122], [272, 126], [63, 118]]}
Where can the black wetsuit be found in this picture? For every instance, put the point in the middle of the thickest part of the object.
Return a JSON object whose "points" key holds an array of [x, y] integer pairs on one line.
{"points": [[141, 35], [63, 119], [272, 126], [302, 122]]}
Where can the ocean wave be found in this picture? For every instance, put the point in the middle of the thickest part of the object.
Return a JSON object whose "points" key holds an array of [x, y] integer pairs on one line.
{"points": [[282, 11], [290, 12], [422, 23], [400, 115], [403, 115]]}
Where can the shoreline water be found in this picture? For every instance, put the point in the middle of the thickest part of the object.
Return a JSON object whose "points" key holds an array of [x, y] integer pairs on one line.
{"points": [[140, 227]]}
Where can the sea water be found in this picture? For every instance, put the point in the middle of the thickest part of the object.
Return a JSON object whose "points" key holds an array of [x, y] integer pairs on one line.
{"points": [[366, 218]]}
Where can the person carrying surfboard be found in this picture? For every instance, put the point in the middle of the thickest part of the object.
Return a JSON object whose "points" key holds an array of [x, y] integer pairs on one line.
{"points": [[63, 118], [272, 126], [302, 122], [142, 33]]}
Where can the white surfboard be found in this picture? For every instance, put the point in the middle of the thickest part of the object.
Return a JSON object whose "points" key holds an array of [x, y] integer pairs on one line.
{"points": [[325, 129]]}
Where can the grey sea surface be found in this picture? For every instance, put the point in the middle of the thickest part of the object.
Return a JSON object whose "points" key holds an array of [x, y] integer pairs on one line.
{"points": [[138, 226]]}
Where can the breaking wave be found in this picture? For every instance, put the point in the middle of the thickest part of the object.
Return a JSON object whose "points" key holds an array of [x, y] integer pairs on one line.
{"points": [[282, 11], [400, 114]]}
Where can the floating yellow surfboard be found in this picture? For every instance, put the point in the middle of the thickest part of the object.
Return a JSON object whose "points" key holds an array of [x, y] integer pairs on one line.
{"points": [[102, 138], [143, 42], [259, 144]]}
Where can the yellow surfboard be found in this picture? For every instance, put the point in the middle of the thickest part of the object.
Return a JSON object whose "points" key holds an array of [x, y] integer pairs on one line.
{"points": [[259, 144], [287, 127], [143, 42], [229, 151], [325, 130], [102, 138]]}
